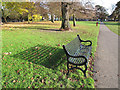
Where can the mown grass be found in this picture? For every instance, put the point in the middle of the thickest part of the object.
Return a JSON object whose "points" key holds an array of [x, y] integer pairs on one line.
{"points": [[33, 57], [113, 26]]}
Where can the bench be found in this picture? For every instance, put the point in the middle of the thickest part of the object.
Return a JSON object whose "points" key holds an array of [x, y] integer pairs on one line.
{"points": [[78, 53]]}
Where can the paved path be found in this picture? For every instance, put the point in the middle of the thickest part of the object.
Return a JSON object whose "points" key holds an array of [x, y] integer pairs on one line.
{"points": [[106, 62]]}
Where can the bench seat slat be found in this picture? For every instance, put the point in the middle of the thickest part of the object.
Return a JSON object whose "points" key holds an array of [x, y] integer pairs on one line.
{"points": [[82, 51]]}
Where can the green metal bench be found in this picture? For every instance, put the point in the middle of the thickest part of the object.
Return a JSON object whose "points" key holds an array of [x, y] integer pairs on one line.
{"points": [[78, 54]]}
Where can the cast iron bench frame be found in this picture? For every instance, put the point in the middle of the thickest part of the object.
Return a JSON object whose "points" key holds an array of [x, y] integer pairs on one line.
{"points": [[86, 47]]}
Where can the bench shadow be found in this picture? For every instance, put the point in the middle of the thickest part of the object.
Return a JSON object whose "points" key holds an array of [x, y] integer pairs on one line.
{"points": [[47, 56]]}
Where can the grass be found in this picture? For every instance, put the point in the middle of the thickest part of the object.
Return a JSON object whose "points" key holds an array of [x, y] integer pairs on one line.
{"points": [[33, 57], [113, 26]]}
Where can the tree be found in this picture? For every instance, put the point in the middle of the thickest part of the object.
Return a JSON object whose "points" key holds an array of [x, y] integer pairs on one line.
{"points": [[5, 11], [53, 10], [118, 9], [42, 9], [65, 16], [116, 13], [23, 8], [29, 8], [101, 12], [80, 10]]}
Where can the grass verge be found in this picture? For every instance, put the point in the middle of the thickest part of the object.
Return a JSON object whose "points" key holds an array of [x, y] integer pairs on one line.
{"points": [[113, 26]]}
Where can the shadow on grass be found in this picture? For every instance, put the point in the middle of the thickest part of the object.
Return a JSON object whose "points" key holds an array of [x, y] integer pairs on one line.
{"points": [[47, 56], [111, 23], [39, 28]]}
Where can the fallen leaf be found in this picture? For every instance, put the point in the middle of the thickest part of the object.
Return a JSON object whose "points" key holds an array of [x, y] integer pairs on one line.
{"points": [[17, 71], [54, 78], [23, 80], [58, 44], [6, 53], [118, 75], [60, 85], [42, 80], [69, 78], [50, 53], [32, 78], [96, 80], [49, 82], [36, 47], [61, 70], [13, 80], [9, 66]]}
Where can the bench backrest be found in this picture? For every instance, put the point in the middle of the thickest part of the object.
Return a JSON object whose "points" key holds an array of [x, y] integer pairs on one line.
{"points": [[73, 46]]}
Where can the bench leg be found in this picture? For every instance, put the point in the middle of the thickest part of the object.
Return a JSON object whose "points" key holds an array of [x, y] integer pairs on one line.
{"points": [[68, 67], [85, 70], [90, 54], [76, 66]]}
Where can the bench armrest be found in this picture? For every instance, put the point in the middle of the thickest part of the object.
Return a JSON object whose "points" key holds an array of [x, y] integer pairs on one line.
{"points": [[84, 41], [87, 41]]}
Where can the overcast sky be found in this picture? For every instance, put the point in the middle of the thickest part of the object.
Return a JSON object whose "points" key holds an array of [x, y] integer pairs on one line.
{"points": [[106, 3]]}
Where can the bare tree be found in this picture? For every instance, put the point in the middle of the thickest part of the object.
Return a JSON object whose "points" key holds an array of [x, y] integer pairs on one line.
{"points": [[54, 10]]}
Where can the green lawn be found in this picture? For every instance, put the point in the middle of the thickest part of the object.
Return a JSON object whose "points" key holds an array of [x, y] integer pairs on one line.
{"points": [[33, 57], [113, 26]]}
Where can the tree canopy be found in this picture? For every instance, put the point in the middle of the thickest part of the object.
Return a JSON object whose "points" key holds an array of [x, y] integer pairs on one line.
{"points": [[101, 12], [116, 13]]}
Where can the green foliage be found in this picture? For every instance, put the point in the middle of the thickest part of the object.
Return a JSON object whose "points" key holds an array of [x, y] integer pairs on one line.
{"points": [[37, 58], [101, 12], [37, 17], [113, 26]]}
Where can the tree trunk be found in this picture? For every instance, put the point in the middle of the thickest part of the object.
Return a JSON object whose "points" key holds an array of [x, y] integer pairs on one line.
{"points": [[5, 19], [52, 18], [119, 18], [42, 18], [4, 16], [115, 18], [28, 19], [65, 16], [74, 23], [32, 19], [58, 18]]}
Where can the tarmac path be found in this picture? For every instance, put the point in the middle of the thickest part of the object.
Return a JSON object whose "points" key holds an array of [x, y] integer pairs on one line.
{"points": [[106, 61]]}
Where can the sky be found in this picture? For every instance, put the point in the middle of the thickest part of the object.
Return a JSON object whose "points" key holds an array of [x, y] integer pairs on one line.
{"points": [[106, 3]]}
